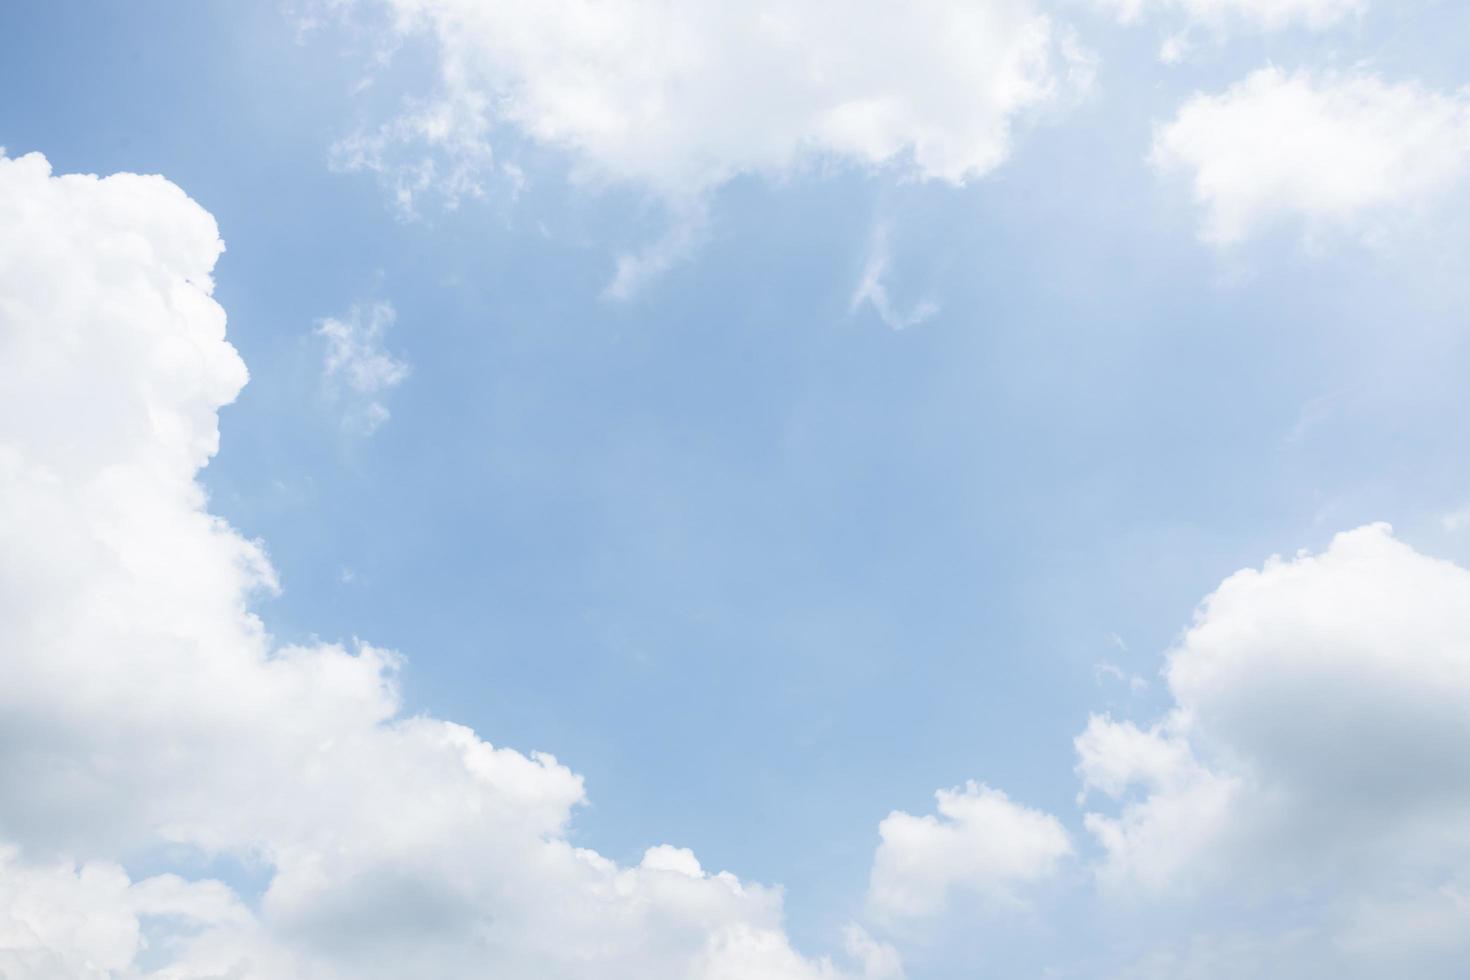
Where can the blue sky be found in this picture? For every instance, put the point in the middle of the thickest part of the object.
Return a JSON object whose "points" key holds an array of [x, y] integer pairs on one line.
{"points": [[759, 566]]}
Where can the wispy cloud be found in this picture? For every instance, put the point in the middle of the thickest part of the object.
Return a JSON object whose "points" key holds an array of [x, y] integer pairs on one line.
{"points": [[1456, 520], [356, 368], [636, 269], [872, 289]]}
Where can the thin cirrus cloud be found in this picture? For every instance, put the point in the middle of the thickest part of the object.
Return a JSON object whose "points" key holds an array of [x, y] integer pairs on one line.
{"points": [[676, 100], [392, 845], [1313, 758], [1335, 153]]}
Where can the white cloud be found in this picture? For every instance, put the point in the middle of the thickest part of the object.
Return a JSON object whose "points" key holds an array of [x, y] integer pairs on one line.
{"points": [[880, 961], [685, 97], [451, 154], [90, 922], [872, 289], [635, 269], [1301, 808], [1174, 49], [1318, 747], [677, 99], [147, 713], [1107, 670], [981, 843], [1263, 15], [356, 364], [1337, 152], [1456, 520]]}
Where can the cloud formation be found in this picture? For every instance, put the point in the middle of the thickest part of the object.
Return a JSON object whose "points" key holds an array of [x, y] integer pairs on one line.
{"points": [[356, 364], [872, 289], [676, 100], [1338, 153], [1319, 731], [683, 98], [148, 718], [1316, 753], [981, 842], [1313, 752], [1305, 798]]}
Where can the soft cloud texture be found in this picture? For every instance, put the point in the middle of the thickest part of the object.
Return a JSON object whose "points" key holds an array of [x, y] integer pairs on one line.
{"points": [[872, 289], [1457, 519], [1298, 688], [1301, 808], [675, 100], [682, 98], [147, 716], [1336, 152], [981, 843], [1316, 753], [355, 364], [91, 922]]}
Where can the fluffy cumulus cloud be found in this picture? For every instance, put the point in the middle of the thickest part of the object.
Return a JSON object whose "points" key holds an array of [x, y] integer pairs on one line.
{"points": [[1337, 152], [1301, 808], [981, 842], [676, 99], [1222, 15], [1321, 727], [148, 719], [90, 922], [683, 97], [356, 366], [1317, 754]]}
